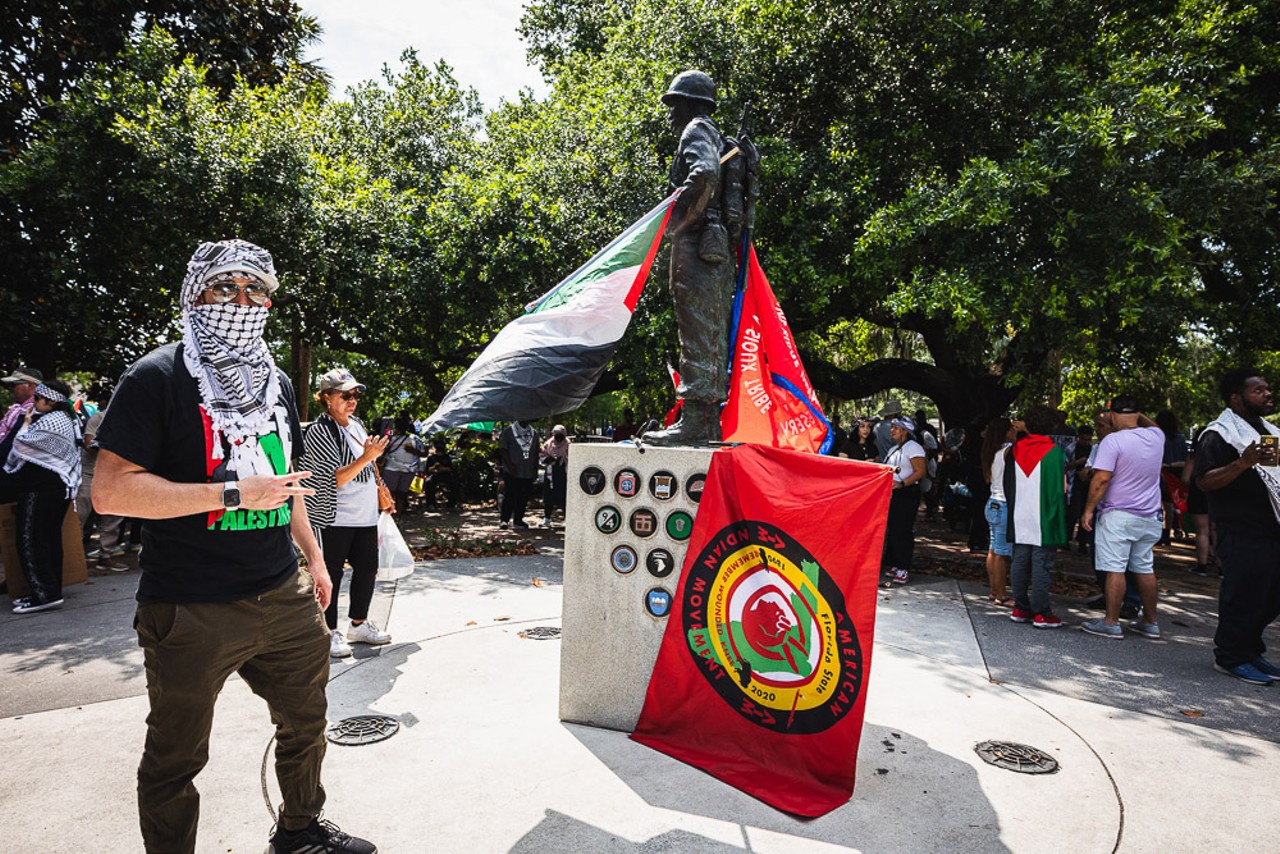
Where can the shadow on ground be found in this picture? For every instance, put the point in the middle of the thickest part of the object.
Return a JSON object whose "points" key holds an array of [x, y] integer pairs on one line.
{"points": [[889, 811]]}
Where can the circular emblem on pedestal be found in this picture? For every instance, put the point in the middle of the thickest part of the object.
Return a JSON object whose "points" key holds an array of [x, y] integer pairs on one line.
{"points": [[657, 601], [592, 480], [644, 522], [663, 485], [608, 519], [660, 563], [623, 559], [694, 485], [679, 525], [627, 483]]}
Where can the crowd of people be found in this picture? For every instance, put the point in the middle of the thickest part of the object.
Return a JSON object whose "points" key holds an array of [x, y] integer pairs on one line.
{"points": [[1117, 497]]}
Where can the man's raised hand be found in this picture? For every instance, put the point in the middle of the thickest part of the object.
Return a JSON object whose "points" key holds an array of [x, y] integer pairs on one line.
{"points": [[271, 491]]}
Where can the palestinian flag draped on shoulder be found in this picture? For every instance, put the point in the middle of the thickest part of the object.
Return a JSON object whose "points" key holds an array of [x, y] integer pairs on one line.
{"points": [[548, 360], [1035, 487]]}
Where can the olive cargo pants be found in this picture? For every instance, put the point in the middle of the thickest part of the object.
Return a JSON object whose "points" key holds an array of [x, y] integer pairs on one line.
{"points": [[278, 643]]}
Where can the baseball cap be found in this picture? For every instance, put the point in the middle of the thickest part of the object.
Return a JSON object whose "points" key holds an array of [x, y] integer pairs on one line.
{"points": [[338, 379], [1124, 404], [23, 375]]}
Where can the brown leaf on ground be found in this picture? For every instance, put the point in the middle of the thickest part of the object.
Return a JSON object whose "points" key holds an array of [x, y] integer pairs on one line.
{"points": [[537, 582], [1193, 713], [471, 622], [501, 619]]}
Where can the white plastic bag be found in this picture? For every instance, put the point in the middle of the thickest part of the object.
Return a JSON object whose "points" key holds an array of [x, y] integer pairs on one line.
{"points": [[394, 558]]}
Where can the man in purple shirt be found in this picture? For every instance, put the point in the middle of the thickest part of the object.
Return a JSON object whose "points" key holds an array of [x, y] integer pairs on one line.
{"points": [[1125, 494]]}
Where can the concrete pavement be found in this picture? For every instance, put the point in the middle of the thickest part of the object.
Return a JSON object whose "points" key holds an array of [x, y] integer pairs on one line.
{"points": [[481, 764]]}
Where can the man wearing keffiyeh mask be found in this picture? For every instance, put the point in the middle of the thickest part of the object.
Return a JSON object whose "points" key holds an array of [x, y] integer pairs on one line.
{"points": [[198, 442]]}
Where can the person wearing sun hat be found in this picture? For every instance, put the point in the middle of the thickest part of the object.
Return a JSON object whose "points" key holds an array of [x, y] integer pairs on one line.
{"points": [[198, 442], [341, 456], [884, 442], [907, 457], [22, 383], [44, 464]]}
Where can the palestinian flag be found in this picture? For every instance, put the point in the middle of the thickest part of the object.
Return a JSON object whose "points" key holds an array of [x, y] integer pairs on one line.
{"points": [[1035, 487], [548, 360]]}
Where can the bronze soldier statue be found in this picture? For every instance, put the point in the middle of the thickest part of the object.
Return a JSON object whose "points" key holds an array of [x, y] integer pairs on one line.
{"points": [[702, 265]]}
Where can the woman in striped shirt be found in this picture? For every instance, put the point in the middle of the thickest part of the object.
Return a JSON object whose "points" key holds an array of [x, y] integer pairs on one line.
{"points": [[340, 454]]}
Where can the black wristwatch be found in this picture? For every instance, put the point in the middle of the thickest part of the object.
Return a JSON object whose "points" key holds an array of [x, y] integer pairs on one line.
{"points": [[230, 495]]}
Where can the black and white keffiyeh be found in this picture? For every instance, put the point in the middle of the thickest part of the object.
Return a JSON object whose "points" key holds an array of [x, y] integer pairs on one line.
{"points": [[52, 394], [524, 437], [1238, 433], [223, 347], [51, 441]]}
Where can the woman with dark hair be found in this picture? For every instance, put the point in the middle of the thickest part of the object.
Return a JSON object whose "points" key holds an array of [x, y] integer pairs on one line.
{"points": [[861, 444], [45, 465], [996, 439]]}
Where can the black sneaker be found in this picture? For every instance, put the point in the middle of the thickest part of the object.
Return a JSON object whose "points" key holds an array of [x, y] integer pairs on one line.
{"points": [[30, 605], [316, 838]]}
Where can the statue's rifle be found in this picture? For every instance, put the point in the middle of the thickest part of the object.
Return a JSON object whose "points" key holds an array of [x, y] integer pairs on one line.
{"points": [[735, 316]]}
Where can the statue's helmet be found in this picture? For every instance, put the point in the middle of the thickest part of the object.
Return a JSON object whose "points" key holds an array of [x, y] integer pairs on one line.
{"points": [[691, 84]]}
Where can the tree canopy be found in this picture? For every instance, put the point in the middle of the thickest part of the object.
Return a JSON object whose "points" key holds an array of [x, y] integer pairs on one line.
{"points": [[976, 201]]}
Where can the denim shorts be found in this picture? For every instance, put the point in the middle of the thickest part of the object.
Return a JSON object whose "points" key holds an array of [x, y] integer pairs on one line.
{"points": [[997, 513], [1124, 541]]}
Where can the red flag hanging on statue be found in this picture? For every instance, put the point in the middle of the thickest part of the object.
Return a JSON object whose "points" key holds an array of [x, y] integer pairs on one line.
{"points": [[761, 677], [771, 401]]}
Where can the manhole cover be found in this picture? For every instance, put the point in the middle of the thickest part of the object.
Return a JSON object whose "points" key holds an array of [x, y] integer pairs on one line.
{"points": [[1012, 756], [540, 633], [363, 729]]}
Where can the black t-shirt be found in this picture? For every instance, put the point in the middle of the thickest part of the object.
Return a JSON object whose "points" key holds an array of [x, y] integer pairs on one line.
{"points": [[156, 421], [855, 450], [1243, 505]]}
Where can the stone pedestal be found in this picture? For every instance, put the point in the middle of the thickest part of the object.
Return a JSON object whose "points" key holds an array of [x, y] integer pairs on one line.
{"points": [[627, 524]]}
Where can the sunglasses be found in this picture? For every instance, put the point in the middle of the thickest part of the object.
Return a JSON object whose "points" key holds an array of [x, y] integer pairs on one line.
{"points": [[228, 290], [354, 394]]}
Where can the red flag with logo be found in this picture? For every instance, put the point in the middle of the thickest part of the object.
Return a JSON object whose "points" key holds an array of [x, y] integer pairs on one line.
{"points": [[771, 401], [761, 677]]}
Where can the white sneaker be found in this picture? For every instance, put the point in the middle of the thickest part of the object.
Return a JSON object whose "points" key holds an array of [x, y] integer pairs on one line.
{"points": [[338, 648], [367, 632]]}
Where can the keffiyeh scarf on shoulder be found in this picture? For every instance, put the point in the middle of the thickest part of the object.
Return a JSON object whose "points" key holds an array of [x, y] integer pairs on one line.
{"points": [[1238, 433], [51, 441], [524, 437], [223, 347]]}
